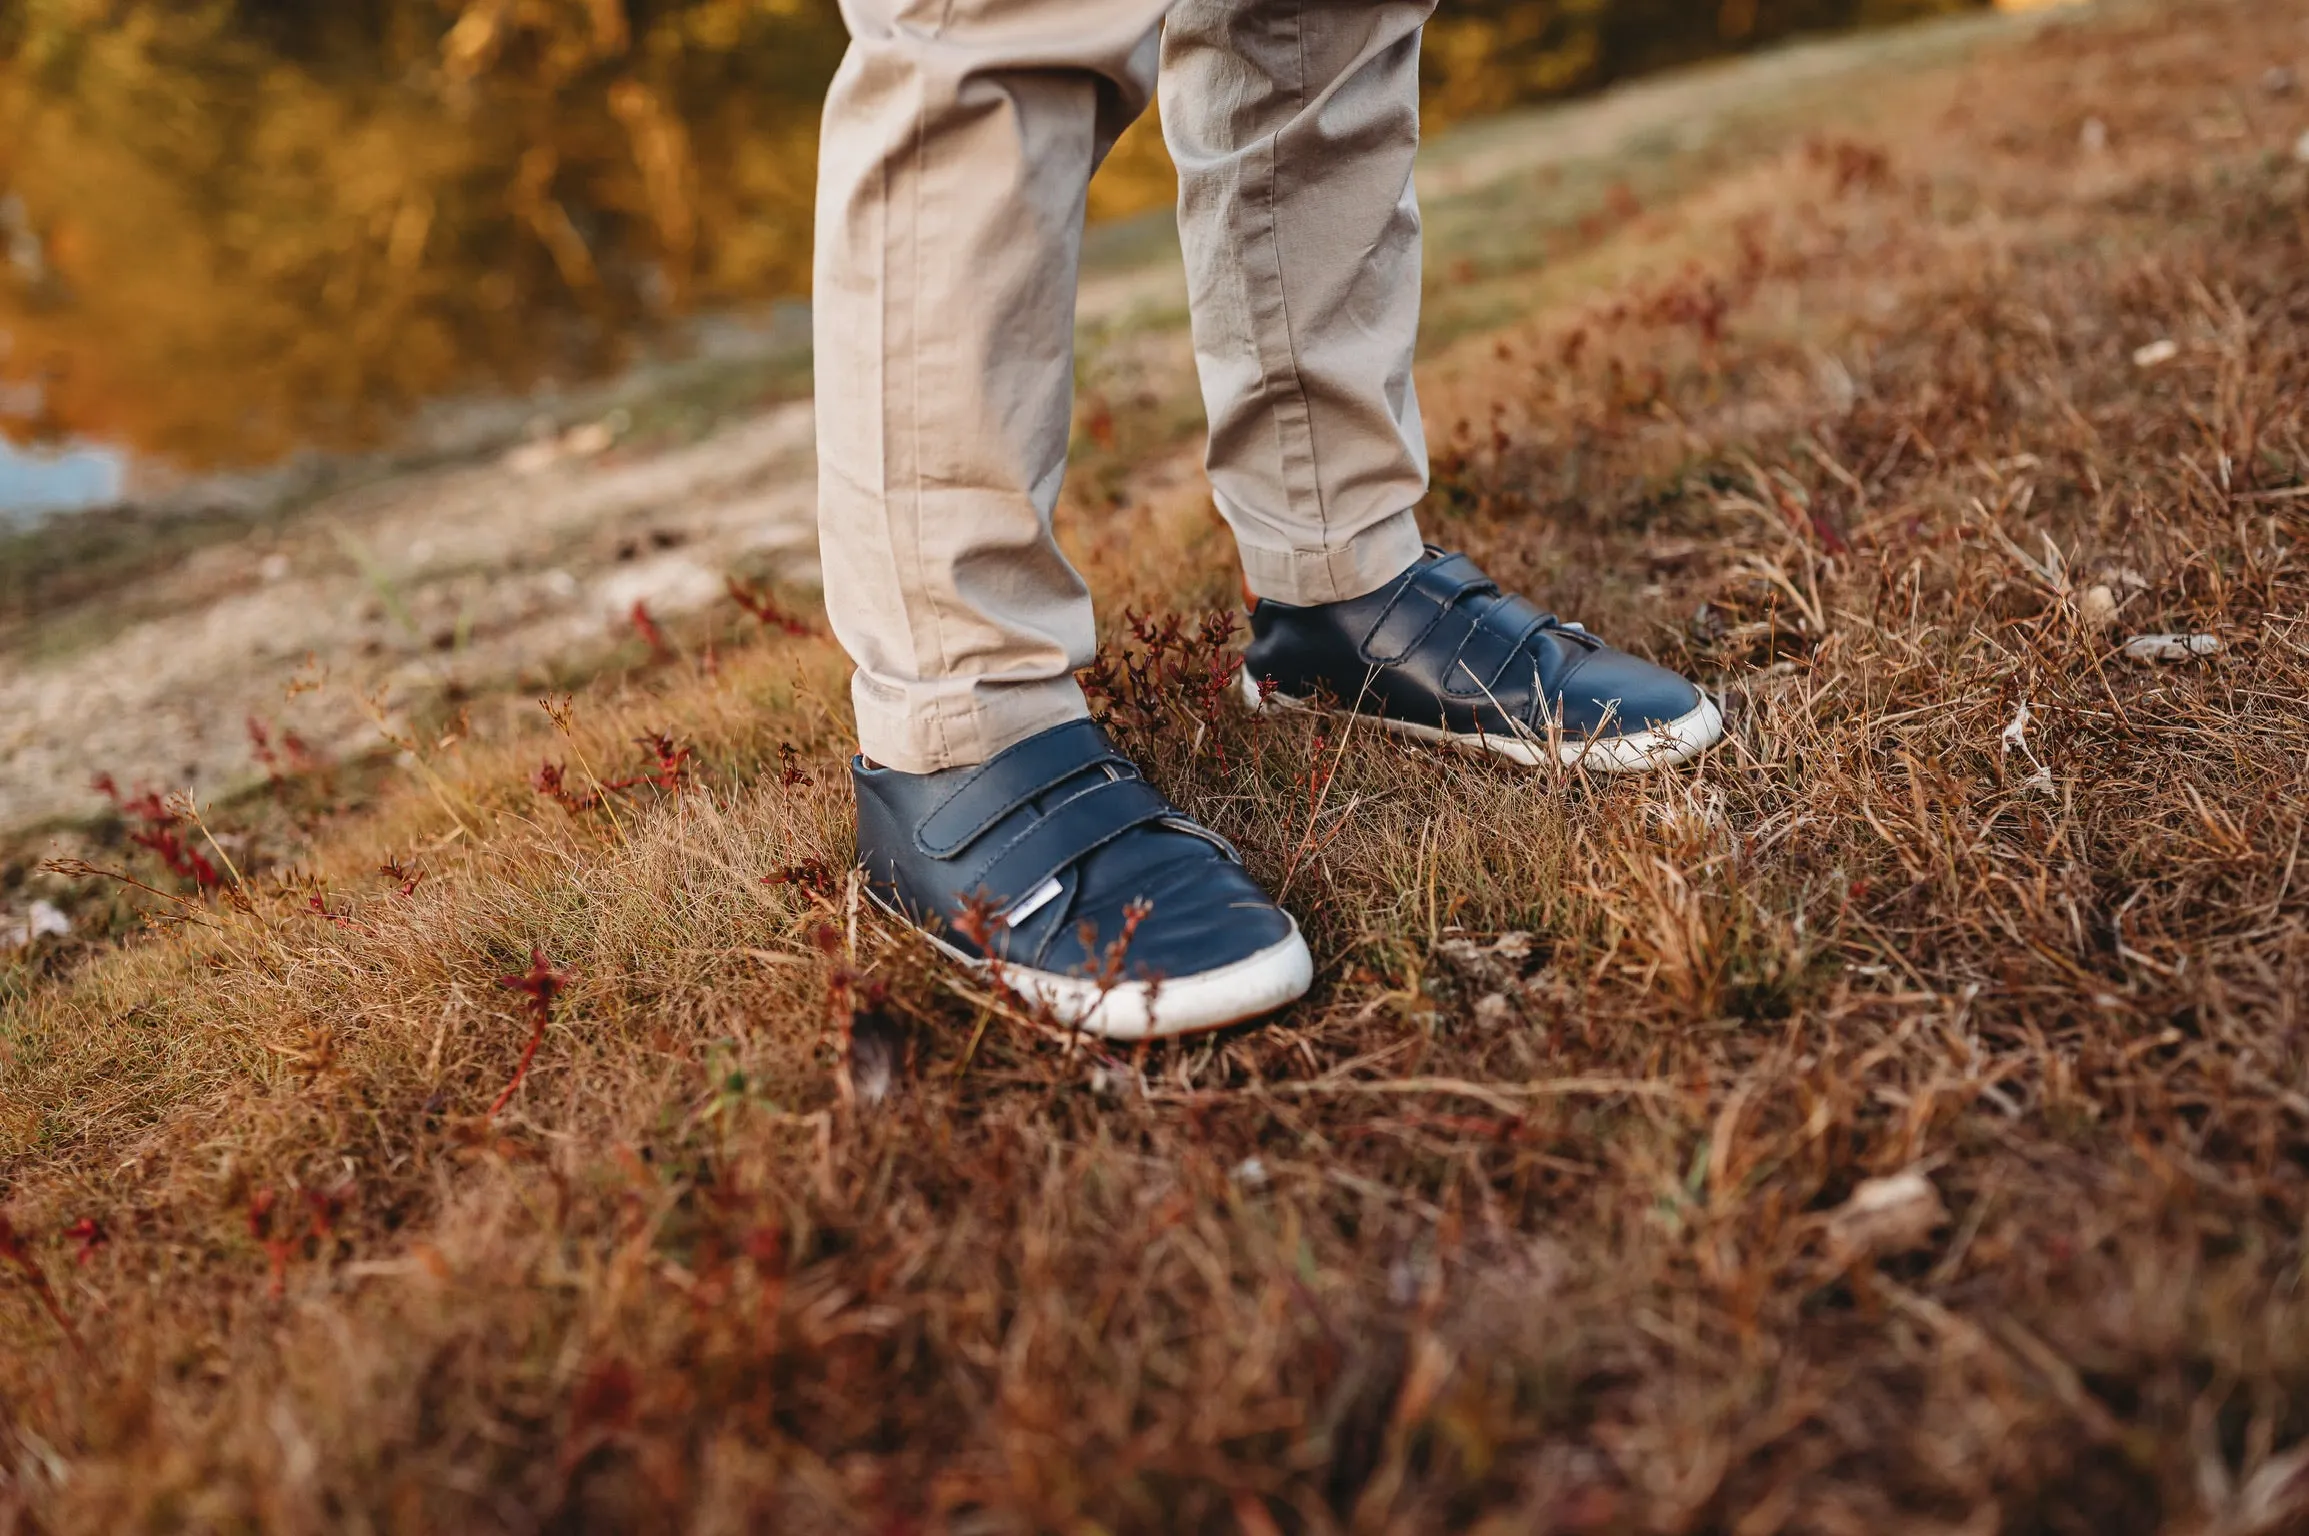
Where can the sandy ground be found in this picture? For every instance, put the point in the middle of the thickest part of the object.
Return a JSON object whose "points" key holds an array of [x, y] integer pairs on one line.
{"points": [[509, 572], [473, 576]]}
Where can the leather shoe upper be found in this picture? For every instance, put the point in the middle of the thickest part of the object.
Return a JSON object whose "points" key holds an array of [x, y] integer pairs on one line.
{"points": [[974, 853], [1442, 646]]}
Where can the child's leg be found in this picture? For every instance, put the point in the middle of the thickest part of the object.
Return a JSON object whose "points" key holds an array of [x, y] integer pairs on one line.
{"points": [[1294, 124], [960, 137]]}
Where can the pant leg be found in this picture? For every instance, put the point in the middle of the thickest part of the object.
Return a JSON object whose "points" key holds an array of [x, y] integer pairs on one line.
{"points": [[1294, 124], [960, 137]]}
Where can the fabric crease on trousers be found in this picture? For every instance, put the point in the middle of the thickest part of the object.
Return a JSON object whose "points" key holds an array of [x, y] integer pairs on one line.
{"points": [[959, 143]]}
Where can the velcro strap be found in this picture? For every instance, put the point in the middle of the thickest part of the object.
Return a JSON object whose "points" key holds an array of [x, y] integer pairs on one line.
{"points": [[1484, 653], [1009, 779], [1067, 833], [1489, 648], [1515, 618], [1425, 596]]}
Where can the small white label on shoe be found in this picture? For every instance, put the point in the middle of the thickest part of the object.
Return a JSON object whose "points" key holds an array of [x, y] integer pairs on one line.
{"points": [[1033, 902]]}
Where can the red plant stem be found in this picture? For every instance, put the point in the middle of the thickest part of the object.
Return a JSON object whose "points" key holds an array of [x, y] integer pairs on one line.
{"points": [[646, 626], [541, 983], [528, 1054]]}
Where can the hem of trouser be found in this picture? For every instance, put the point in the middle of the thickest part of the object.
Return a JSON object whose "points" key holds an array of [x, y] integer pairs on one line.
{"points": [[957, 724], [1364, 564]]}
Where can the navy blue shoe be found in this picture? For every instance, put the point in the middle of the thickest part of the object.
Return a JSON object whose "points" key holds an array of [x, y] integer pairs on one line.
{"points": [[1058, 871], [1441, 654]]}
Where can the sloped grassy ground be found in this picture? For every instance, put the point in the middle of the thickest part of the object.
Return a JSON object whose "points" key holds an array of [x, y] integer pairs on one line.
{"points": [[1548, 1210]]}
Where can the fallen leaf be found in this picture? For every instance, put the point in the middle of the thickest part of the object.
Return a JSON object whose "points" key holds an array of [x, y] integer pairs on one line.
{"points": [[1465, 953], [2015, 738], [2171, 647], [2016, 732], [1886, 1216]]}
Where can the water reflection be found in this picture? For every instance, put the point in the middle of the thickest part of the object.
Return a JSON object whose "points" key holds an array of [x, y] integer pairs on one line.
{"points": [[33, 482], [234, 229]]}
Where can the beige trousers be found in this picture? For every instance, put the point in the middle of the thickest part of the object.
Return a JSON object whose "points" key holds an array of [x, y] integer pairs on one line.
{"points": [[960, 138]]}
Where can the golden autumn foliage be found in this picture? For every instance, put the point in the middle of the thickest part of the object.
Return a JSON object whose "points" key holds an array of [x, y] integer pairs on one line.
{"points": [[229, 228], [238, 235]]}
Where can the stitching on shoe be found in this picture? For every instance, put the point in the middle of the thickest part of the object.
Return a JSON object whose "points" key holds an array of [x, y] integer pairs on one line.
{"points": [[1158, 810], [1475, 628], [947, 850], [1431, 582], [1367, 648]]}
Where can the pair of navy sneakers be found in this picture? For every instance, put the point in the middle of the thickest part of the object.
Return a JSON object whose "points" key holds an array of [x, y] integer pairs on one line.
{"points": [[1058, 870]]}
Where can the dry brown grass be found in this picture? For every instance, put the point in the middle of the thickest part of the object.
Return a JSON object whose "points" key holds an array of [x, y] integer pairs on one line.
{"points": [[1528, 1219]]}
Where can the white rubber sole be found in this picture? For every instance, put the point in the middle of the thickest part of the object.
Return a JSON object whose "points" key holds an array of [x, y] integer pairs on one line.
{"points": [[1659, 746], [1236, 993]]}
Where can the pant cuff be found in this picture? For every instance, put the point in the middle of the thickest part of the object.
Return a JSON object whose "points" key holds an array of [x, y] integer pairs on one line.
{"points": [[956, 722], [1365, 563]]}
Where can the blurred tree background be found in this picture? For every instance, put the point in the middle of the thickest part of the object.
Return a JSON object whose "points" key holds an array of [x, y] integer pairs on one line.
{"points": [[229, 228]]}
